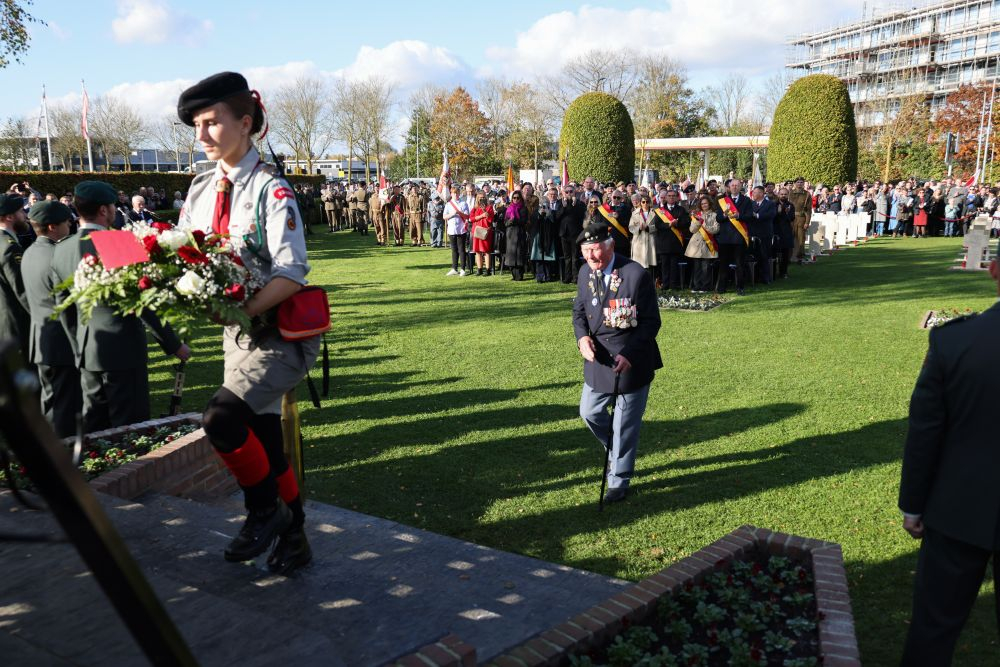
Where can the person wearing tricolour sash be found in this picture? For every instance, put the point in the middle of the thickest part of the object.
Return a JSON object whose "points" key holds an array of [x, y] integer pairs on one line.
{"points": [[248, 201], [615, 321], [734, 234], [671, 225], [703, 246]]}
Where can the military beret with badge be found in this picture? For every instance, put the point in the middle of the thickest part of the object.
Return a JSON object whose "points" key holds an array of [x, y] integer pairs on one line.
{"points": [[209, 91], [49, 213], [595, 232], [98, 192]]}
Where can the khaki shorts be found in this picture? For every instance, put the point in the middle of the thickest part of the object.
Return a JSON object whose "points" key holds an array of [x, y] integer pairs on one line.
{"points": [[262, 370]]}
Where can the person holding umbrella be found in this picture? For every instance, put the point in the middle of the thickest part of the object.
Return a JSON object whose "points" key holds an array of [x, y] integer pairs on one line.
{"points": [[615, 319]]}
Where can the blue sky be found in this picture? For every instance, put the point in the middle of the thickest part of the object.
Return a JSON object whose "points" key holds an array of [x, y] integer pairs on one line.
{"points": [[146, 51]]}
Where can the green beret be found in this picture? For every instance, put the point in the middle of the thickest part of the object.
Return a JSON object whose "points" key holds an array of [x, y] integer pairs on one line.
{"points": [[49, 213], [10, 203], [98, 192], [595, 232], [209, 91]]}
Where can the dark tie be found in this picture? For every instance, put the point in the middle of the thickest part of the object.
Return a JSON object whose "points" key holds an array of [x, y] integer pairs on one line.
{"points": [[223, 199], [600, 284]]}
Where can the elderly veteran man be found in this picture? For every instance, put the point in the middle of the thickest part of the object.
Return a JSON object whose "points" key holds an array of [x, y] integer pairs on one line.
{"points": [[615, 319], [48, 346]]}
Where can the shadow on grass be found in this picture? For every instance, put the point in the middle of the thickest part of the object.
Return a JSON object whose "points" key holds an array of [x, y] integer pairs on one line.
{"points": [[882, 598]]}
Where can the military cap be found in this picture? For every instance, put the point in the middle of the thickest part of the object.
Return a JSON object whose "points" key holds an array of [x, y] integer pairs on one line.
{"points": [[595, 232], [207, 92], [50, 213], [10, 203], [98, 192]]}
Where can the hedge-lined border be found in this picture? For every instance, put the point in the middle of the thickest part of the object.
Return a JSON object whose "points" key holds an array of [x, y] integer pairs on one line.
{"points": [[61, 182]]}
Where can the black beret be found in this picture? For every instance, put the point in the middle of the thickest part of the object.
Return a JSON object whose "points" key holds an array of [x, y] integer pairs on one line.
{"points": [[207, 92], [98, 192], [50, 213], [595, 232], [10, 203]]}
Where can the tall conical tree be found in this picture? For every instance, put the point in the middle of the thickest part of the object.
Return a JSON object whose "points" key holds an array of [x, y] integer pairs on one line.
{"points": [[813, 134], [598, 136]]}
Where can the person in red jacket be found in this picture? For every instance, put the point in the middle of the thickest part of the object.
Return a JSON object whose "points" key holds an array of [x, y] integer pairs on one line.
{"points": [[481, 220]]}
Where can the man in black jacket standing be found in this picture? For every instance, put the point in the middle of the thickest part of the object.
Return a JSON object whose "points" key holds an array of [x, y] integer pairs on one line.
{"points": [[762, 229], [671, 224], [950, 488], [615, 319], [570, 219], [734, 234]]}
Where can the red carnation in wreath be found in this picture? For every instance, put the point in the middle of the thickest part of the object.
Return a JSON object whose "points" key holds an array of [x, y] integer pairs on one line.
{"points": [[192, 255]]}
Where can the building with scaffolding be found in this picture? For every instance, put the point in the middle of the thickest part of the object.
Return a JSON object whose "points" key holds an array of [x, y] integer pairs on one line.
{"points": [[897, 53]]}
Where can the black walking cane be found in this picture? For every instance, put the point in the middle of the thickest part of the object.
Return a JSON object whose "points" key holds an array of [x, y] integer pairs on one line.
{"points": [[608, 446], [178, 393]]}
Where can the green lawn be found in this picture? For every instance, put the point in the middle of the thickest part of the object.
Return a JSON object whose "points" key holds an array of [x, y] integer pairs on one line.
{"points": [[454, 409]]}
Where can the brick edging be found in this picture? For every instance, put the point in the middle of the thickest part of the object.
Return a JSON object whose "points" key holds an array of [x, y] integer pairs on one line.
{"points": [[449, 651], [838, 645], [186, 467]]}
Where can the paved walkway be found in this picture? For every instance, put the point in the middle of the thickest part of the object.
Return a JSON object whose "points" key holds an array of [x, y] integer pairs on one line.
{"points": [[375, 590]]}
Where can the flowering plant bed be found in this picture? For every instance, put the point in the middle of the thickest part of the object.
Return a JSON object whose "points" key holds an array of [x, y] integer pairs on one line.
{"points": [[759, 611], [690, 301], [103, 454], [935, 318]]}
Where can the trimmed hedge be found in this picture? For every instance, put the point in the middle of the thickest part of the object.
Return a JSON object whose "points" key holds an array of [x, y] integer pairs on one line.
{"points": [[62, 182], [813, 134], [599, 139]]}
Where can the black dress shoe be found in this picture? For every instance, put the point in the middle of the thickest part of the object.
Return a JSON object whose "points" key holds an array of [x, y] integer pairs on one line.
{"points": [[291, 552], [258, 532], [615, 495]]}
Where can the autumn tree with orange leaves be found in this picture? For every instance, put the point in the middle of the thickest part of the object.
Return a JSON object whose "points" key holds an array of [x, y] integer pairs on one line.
{"points": [[458, 125], [961, 114]]}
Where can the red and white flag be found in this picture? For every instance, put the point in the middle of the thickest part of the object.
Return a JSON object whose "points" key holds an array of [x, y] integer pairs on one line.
{"points": [[972, 181], [444, 183], [83, 119]]}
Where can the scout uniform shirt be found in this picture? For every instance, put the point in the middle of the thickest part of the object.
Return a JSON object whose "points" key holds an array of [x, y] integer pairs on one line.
{"points": [[265, 226], [14, 317]]}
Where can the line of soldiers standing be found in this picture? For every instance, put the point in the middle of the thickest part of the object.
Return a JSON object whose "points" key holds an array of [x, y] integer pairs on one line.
{"points": [[359, 205], [97, 369]]}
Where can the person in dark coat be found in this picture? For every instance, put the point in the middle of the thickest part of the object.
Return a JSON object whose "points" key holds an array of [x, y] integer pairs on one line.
{"points": [[544, 233], [734, 234], [784, 230], [949, 490], [14, 317], [570, 218], [615, 322], [516, 220], [762, 231], [671, 225], [49, 347]]}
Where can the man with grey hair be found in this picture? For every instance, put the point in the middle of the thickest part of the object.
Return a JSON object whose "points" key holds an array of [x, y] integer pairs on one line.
{"points": [[138, 211], [615, 320]]}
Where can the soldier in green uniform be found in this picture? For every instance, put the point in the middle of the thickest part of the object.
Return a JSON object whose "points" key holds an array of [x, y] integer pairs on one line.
{"points": [[802, 201], [48, 345], [110, 350], [14, 314]]}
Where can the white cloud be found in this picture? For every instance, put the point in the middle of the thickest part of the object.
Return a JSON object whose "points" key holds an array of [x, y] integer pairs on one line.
{"points": [[409, 64], [155, 22], [723, 35], [151, 99]]}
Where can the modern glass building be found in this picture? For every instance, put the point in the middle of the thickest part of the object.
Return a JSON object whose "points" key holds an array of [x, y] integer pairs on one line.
{"points": [[928, 51]]}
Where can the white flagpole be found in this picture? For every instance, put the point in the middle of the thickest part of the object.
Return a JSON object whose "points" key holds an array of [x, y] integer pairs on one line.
{"points": [[85, 125], [48, 137], [979, 136], [989, 129]]}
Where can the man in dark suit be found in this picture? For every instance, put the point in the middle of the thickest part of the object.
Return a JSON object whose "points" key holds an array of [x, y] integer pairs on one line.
{"points": [[762, 229], [615, 319], [48, 345], [570, 218], [14, 316], [110, 350], [671, 225], [950, 488], [734, 234]]}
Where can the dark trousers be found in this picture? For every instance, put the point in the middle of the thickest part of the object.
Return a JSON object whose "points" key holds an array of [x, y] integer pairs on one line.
{"points": [[458, 253], [570, 259], [762, 250], [114, 398], [62, 398], [784, 255], [731, 253], [670, 272], [949, 574], [701, 274]]}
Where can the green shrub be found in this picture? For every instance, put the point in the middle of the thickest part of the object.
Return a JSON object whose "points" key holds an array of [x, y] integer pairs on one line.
{"points": [[813, 134], [63, 182], [598, 139]]}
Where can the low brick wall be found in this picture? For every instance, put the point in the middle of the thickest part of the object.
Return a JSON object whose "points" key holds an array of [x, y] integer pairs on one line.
{"points": [[598, 625], [187, 467]]}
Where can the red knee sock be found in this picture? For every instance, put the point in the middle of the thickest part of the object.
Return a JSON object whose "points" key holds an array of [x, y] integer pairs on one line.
{"points": [[248, 463], [288, 487]]}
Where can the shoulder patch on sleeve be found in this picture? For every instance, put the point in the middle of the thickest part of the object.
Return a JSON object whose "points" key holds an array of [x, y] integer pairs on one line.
{"points": [[282, 192]]}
